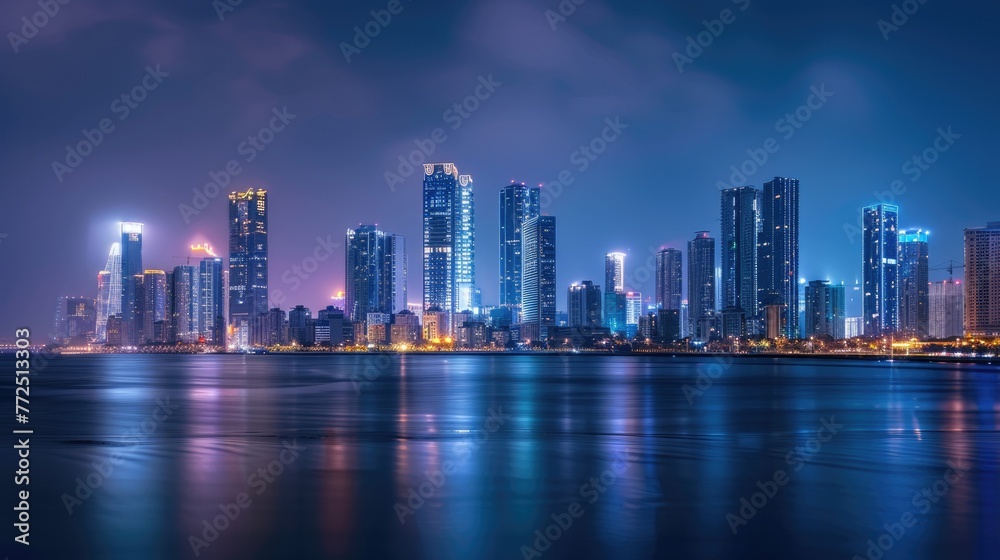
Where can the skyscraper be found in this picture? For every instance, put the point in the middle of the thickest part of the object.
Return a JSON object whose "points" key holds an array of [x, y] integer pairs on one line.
{"points": [[449, 239], [518, 203], [185, 304], [914, 307], [701, 285], [881, 269], [211, 295], [154, 306], [778, 252], [584, 304], [538, 275], [372, 272], [614, 272], [397, 250], [982, 280], [669, 273], [633, 311], [614, 293], [80, 320], [109, 290], [131, 265], [947, 309], [825, 312], [741, 223], [247, 260]]}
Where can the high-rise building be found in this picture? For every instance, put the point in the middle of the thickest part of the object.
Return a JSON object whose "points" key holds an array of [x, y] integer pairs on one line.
{"points": [[614, 293], [584, 303], [131, 265], [185, 307], [701, 285], [247, 260], [741, 224], [825, 311], [397, 251], [669, 273], [947, 309], [154, 306], [301, 329], [518, 203], [633, 310], [881, 269], [109, 290], [373, 276], [914, 307], [211, 297], [449, 239], [982, 280], [538, 273], [139, 306], [614, 272], [778, 252], [81, 320]]}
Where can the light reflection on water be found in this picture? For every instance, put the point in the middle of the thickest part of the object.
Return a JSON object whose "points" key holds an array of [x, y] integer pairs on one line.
{"points": [[363, 452]]}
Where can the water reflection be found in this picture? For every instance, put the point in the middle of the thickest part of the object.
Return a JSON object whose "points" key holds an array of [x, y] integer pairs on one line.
{"points": [[366, 448]]}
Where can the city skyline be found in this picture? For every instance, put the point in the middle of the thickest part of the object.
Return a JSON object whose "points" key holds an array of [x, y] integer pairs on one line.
{"points": [[686, 130]]}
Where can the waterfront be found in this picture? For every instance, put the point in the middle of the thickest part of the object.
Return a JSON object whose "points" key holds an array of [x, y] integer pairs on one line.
{"points": [[464, 456]]}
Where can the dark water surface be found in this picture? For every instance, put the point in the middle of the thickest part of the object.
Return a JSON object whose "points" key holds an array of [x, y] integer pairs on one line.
{"points": [[411, 465]]}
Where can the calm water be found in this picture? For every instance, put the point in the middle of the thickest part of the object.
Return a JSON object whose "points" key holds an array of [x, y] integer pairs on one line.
{"points": [[466, 457]]}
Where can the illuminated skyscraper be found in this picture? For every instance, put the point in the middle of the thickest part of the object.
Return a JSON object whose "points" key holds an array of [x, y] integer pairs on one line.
{"points": [[633, 311], [614, 272], [184, 320], [825, 313], [109, 290], [518, 203], [131, 265], [397, 248], [538, 282], [701, 285], [449, 239], [154, 306], [211, 294], [247, 260], [373, 279], [914, 306], [982, 280], [778, 252], [669, 273], [881, 269], [584, 304], [741, 223], [947, 309]]}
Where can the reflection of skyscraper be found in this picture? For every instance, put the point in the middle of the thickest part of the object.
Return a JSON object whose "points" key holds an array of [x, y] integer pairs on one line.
{"points": [[248, 280], [538, 283], [982, 280], [449, 239], [881, 269], [371, 269], [701, 284], [109, 290], [913, 283], [131, 265], [741, 222], [778, 251], [518, 203]]}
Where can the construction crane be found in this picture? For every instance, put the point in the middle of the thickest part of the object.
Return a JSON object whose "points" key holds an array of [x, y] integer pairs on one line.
{"points": [[950, 267]]}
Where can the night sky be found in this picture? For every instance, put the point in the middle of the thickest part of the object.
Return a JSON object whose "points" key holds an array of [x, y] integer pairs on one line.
{"points": [[654, 185]]}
